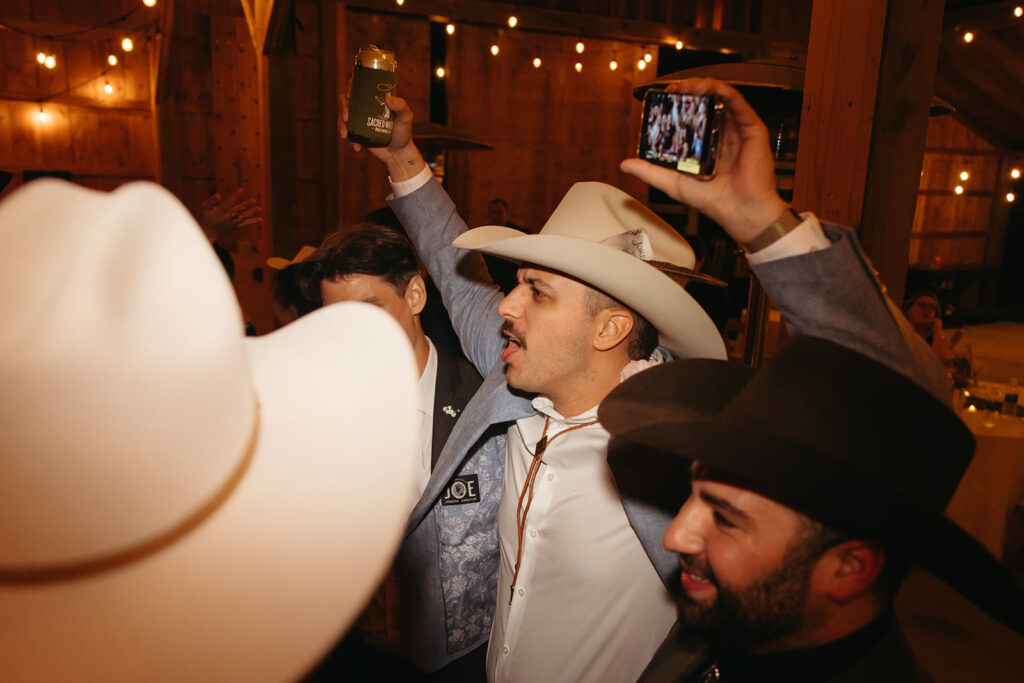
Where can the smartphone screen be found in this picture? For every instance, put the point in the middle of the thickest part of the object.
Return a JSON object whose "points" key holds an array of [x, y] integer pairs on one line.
{"points": [[680, 131]]}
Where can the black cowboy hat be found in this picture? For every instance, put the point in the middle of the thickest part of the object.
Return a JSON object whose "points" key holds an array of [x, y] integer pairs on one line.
{"points": [[825, 431]]}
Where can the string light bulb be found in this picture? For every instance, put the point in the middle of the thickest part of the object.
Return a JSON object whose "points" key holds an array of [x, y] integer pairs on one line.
{"points": [[107, 88], [964, 175], [1010, 196], [679, 45], [641, 65], [579, 67], [968, 37], [648, 57], [613, 65], [494, 49], [127, 45], [112, 60], [1015, 173], [450, 28], [959, 189], [536, 62], [51, 62], [580, 47], [1018, 12], [439, 72], [42, 114], [149, 3], [41, 57], [512, 21], [399, 2]]}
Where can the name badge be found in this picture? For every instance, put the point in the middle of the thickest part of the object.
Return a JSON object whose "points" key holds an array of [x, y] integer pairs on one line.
{"points": [[462, 490]]}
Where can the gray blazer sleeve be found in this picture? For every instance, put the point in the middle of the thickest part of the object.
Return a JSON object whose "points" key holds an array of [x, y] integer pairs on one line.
{"points": [[835, 294], [429, 217]]}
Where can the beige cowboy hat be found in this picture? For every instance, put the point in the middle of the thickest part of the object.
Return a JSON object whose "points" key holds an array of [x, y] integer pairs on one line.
{"points": [[181, 502], [609, 240], [280, 262]]}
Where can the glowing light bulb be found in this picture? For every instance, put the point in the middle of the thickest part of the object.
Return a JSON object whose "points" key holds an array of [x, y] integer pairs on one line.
{"points": [[107, 88], [648, 57], [613, 65], [964, 175], [42, 115], [959, 189], [580, 47], [450, 28], [127, 45], [579, 67], [1010, 196], [512, 21], [41, 57], [51, 62], [1018, 11], [1015, 173], [494, 49], [439, 72], [536, 62], [149, 3], [399, 2], [968, 37], [641, 65], [679, 45], [112, 60]]}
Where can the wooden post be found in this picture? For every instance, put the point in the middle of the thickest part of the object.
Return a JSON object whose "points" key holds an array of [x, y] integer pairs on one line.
{"points": [[864, 120], [329, 114]]}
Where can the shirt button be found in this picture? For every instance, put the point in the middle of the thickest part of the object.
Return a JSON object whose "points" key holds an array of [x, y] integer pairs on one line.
{"points": [[533, 534], [522, 592], [505, 649], [551, 476]]}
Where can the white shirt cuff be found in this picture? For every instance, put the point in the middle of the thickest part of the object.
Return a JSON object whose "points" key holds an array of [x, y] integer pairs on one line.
{"points": [[404, 187], [803, 239]]}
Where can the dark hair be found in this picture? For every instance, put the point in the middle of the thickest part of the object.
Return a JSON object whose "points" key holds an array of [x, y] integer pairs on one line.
{"points": [[294, 287], [642, 339], [368, 250]]}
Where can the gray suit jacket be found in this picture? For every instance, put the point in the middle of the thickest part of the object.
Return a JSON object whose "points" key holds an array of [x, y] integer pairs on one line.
{"points": [[832, 293]]}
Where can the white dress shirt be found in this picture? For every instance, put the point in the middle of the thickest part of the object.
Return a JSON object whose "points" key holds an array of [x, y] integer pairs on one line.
{"points": [[425, 391], [588, 604]]}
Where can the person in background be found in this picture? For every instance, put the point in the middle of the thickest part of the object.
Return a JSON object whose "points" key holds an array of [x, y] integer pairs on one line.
{"points": [[293, 297], [924, 312], [799, 529], [219, 217], [453, 518], [503, 272]]}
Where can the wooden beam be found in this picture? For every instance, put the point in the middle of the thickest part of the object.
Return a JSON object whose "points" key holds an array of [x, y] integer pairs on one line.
{"points": [[275, 35], [531, 19], [165, 40], [843, 55]]}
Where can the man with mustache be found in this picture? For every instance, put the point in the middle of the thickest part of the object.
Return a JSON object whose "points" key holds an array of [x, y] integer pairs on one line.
{"points": [[812, 492], [581, 591]]}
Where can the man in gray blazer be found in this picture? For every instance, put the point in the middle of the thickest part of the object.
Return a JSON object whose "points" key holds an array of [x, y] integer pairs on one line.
{"points": [[816, 274]]}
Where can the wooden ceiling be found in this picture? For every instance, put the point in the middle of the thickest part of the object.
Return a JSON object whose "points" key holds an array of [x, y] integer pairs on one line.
{"points": [[984, 79]]}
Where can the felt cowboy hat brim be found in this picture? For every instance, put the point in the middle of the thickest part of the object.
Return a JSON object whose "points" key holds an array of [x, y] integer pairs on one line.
{"points": [[181, 502], [684, 327], [878, 459]]}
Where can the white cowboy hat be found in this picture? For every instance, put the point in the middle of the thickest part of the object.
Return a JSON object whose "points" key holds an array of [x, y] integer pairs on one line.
{"points": [[609, 240], [280, 262], [180, 502]]}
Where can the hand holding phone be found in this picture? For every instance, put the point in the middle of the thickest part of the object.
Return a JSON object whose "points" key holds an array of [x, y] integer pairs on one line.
{"points": [[741, 197]]}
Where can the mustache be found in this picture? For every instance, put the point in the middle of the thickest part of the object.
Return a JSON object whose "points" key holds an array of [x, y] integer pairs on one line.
{"points": [[509, 331], [692, 565]]}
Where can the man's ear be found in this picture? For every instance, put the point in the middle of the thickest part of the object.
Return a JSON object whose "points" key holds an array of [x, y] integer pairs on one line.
{"points": [[847, 570], [416, 294], [613, 327]]}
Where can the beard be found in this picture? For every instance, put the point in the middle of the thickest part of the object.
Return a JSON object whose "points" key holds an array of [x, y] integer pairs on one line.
{"points": [[772, 607]]}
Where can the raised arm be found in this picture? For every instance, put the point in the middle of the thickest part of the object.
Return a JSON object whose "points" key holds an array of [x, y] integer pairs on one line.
{"points": [[429, 216], [818, 276]]}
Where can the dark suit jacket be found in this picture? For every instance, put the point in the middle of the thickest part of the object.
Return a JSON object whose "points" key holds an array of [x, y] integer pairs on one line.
{"points": [[457, 381]]}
